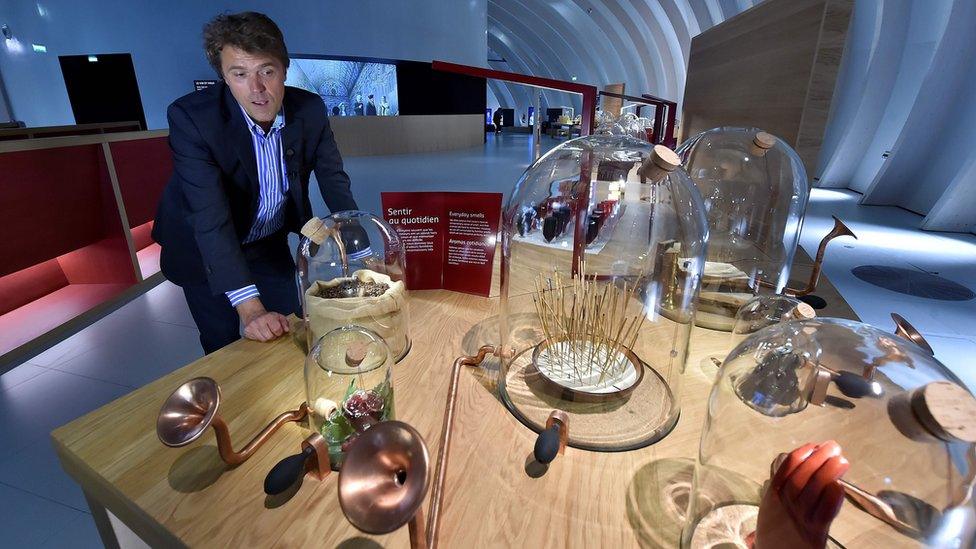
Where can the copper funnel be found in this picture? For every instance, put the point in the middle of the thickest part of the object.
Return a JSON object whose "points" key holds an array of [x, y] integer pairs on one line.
{"points": [[193, 407], [187, 412], [839, 229], [384, 478], [905, 330]]}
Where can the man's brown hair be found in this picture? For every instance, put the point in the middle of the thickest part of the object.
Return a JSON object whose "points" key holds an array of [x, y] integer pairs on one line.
{"points": [[249, 31]]}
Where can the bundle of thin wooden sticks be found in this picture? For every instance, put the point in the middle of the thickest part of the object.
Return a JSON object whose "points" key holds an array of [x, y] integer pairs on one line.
{"points": [[586, 324]]}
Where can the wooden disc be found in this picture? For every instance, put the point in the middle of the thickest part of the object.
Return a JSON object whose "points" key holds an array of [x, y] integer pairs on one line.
{"points": [[764, 140], [665, 158], [356, 353], [804, 311], [947, 410], [315, 230]]}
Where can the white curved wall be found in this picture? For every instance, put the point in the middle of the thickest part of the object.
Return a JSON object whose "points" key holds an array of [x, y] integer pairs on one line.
{"points": [[643, 43], [903, 128]]}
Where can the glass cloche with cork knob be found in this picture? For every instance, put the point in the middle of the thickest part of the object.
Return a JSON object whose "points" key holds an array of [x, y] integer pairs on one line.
{"points": [[904, 423], [351, 271], [755, 191], [603, 245]]}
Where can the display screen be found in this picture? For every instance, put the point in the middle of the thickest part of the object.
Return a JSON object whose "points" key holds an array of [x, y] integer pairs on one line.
{"points": [[348, 88]]}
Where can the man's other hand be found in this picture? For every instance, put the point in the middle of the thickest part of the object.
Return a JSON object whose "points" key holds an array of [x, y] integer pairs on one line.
{"points": [[259, 324]]}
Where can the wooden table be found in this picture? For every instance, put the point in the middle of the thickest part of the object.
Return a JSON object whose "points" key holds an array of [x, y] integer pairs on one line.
{"points": [[186, 496]]}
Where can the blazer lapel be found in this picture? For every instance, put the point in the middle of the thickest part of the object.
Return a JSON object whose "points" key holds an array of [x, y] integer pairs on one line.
{"points": [[291, 149], [239, 135]]}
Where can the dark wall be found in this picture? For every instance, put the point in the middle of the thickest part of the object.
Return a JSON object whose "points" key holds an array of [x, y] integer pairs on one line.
{"points": [[423, 90]]}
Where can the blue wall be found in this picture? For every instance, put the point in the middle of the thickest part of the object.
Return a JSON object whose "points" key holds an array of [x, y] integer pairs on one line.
{"points": [[165, 43]]}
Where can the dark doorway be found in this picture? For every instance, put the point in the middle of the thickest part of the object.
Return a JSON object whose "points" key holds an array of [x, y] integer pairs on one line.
{"points": [[102, 88]]}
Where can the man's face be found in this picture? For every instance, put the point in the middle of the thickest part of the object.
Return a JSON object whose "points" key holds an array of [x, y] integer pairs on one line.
{"points": [[257, 81]]}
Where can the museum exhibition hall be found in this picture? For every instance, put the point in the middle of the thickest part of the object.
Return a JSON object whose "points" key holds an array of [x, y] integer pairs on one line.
{"points": [[488, 273]]}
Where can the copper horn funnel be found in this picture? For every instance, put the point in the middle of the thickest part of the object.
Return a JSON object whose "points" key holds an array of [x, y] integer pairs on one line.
{"points": [[193, 407], [384, 479], [905, 330], [839, 229]]}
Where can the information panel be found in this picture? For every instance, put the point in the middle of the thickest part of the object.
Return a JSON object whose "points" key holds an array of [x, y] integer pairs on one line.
{"points": [[449, 237]]}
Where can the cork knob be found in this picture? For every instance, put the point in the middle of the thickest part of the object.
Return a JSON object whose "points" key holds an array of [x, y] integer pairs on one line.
{"points": [[761, 143], [315, 230], [946, 410], [659, 163], [356, 353], [802, 311]]}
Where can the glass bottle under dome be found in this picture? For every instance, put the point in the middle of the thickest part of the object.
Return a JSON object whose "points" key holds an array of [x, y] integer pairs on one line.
{"points": [[755, 192], [348, 385], [602, 251], [904, 422], [351, 270]]}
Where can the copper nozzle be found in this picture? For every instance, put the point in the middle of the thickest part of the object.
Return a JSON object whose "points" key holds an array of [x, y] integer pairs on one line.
{"points": [[839, 229], [193, 407], [384, 478], [905, 330]]}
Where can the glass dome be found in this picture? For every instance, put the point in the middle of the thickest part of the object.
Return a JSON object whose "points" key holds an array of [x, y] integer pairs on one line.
{"points": [[351, 270], [627, 124], [348, 385], [755, 192], [602, 249], [765, 310], [904, 422]]}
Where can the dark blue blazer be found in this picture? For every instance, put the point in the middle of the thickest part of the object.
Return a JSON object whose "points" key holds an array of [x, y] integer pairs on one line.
{"points": [[210, 203]]}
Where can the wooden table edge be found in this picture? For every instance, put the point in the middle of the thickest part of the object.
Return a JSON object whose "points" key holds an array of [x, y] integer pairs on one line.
{"points": [[99, 491]]}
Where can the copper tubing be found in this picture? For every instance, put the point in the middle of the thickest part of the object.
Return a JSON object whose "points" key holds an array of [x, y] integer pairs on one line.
{"points": [[334, 233], [906, 331], [226, 447], [437, 491], [840, 229], [877, 508], [418, 536]]}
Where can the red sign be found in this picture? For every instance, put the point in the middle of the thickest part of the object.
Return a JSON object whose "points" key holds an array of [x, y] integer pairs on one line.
{"points": [[449, 238]]}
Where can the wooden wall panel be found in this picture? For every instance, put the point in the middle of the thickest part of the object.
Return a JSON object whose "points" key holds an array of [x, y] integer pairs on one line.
{"points": [[144, 166], [51, 204], [773, 67], [613, 105]]}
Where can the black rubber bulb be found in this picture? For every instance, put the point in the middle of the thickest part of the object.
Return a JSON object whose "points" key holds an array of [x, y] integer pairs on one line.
{"points": [[855, 386], [549, 228], [286, 472], [547, 445]]}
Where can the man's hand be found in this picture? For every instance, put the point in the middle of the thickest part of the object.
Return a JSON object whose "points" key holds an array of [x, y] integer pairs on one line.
{"points": [[259, 324]]}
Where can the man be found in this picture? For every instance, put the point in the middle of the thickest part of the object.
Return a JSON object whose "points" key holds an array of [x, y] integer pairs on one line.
{"points": [[357, 107], [242, 154], [370, 106]]}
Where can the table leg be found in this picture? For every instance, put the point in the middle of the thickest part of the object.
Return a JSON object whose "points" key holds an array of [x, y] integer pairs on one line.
{"points": [[102, 522]]}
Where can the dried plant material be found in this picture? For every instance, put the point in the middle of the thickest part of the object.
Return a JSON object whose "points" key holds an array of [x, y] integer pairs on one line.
{"points": [[587, 327]]}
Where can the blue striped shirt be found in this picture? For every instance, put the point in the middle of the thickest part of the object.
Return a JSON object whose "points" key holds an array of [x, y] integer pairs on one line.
{"points": [[272, 193]]}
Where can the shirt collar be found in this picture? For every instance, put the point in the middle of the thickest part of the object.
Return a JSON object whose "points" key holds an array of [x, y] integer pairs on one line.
{"points": [[279, 121]]}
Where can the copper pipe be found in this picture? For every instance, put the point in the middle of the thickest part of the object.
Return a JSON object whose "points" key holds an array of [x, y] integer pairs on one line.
{"points": [[418, 534], [905, 330], [226, 447], [965, 493], [437, 491], [840, 229], [334, 233], [582, 201], [877, 508]]}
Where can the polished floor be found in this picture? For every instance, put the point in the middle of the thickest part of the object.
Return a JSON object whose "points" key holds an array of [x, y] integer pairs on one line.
{"points": [[154, 334]]}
